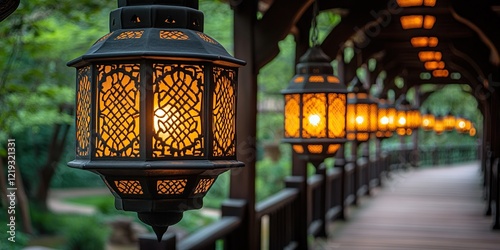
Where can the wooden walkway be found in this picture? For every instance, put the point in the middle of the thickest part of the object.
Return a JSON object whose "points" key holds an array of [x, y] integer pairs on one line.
{"points": [[436, 208]]}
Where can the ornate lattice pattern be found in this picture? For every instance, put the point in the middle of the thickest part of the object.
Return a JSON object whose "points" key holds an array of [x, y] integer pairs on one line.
{"points": [[171, 186], [332, 148], [206, 38], [316, 79], [118, 105], [292, 115], [357, 117], [173, 35], [178, 94], [83, 112], [336, 115], [298, 149], [315, 149], [129, 187], [224, 112], [314, 113], [130, 35], [104, 38], [203, 186]]}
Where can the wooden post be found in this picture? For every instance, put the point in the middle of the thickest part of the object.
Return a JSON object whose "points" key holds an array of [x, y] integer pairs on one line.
{"points": [[242, 184], [355, 172], [340, 163], [300, 230]]}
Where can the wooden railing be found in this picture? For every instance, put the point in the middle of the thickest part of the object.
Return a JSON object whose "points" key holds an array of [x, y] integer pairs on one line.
{"points": [[304, 208]]}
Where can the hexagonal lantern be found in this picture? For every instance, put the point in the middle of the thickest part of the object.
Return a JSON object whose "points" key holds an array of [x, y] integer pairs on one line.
{"points": [[315, 108], [361, 114], [428, 121], [449, 122], [156, 109], [386, 118]]}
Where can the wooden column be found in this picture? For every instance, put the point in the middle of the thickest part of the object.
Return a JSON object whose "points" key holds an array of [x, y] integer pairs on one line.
{"points": [[242, 184]]}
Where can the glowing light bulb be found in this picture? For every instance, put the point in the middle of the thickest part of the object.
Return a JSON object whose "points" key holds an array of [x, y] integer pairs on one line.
{"points": [[360, 120], [384, 120], [314, 120], [461, 124], [425, 122], [402, 121]]}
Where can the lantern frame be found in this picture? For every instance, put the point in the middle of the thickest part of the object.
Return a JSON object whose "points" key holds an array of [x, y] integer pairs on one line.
{"points": [[428, 121], [386, 118], [362, 114], [315, 108], [156, 109]]}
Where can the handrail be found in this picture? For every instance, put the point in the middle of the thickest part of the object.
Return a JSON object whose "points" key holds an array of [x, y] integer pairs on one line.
{"points": [[275, 202], [209, 234]]}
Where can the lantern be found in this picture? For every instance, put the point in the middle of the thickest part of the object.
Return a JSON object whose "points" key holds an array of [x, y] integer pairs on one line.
{"points": [[428, 121], [315, 108], [386, 118], [361, 114], [439, 125], [417, 21], [156, 110], [401, 118], [413, 118], [449, 122], [414, 3], [423, 41]]}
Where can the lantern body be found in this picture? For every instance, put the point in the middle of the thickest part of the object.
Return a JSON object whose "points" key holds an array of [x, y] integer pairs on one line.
{"points": [[428, 122], [361, 115], [315, 107], [386, 114], [449, 122], [156, 110], [439, 125], [414, 118], [401, 122]]}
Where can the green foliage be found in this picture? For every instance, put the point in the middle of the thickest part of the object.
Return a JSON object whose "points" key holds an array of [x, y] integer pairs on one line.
{"points": [[85, 233]]}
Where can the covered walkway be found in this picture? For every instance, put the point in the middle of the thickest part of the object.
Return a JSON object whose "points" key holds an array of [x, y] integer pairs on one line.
{"points": [[431, 208]]}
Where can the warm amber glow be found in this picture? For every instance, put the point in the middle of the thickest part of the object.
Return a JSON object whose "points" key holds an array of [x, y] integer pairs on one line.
{"points": [[292, 115], [429, 56], [472, 131], [414, 3], [384, 120], [440, 73], [118, 120], [449, 122], [423, 41], [417, 21], [432, 65], [428, 121], [401, 121], [429, 22], [314, 120], [439, 126], [360, 120], [177, 110], [314, 106], [411, 22]]}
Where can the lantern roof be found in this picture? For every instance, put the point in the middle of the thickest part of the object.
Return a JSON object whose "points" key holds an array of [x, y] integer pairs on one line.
{"points": [[314, 75], [157, 30]]}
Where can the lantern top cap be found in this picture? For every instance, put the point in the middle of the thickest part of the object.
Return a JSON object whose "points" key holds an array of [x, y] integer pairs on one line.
{"points": [[359, 87], [315, 55], [157, 29], [187, 3]]}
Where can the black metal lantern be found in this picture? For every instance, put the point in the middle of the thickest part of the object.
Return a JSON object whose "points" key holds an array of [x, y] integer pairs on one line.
{"points": [[156, 109], [315, 108], [386, 118], [361, 114]]}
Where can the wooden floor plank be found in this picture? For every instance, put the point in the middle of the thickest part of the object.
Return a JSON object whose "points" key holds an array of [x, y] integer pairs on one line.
{"points": [[433, 208]]}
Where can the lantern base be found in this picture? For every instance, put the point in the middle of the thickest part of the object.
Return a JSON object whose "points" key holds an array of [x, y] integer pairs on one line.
{"points": [[160, 221]]}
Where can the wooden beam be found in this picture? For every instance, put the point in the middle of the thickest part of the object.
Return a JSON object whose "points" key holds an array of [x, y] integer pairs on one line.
{"points": [[274, 26]]}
